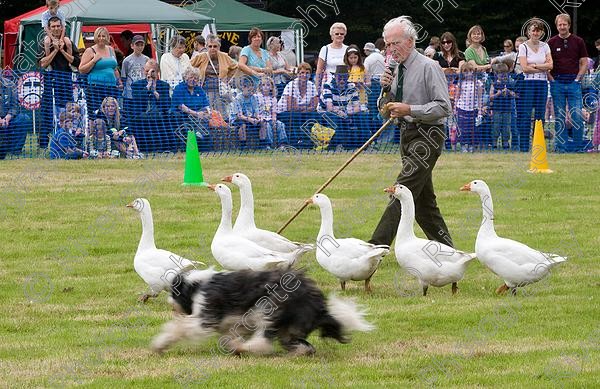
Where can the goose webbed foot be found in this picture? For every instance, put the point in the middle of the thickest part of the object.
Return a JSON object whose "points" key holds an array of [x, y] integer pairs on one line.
{"points": [[454, 288], [368, 285], [425, 287], [343, 285], [502, 289], [143, 298]]}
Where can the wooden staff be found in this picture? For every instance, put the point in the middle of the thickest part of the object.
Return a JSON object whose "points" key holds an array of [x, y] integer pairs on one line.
{"points": [[356, 153]]}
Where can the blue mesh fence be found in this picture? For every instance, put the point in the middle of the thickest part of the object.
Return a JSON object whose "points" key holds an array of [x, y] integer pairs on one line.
{"points": [[58, 115]]}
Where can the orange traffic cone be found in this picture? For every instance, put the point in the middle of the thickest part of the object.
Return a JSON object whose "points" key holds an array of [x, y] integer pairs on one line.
{"points": [[539, 160]]}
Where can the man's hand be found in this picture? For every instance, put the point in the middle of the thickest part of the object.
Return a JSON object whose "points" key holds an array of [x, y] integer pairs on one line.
{"points": [[386, 78], [398, 109]]}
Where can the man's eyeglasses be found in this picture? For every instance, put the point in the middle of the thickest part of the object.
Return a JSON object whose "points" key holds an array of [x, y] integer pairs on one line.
{"points": [[446, 42], [213, 46], [339, 33], [507, 45]]}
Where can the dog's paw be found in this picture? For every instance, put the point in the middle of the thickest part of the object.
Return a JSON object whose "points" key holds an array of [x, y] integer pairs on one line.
{"points": [[159, 345]]}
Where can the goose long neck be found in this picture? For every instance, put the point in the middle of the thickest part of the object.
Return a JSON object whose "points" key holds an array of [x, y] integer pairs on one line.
{"points": [[326, 221], [487, 224], [246, 215], [226, 210], [147, 240], [407, 220]]}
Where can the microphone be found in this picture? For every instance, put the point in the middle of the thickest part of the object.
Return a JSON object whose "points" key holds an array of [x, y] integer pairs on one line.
{"points": [[392, 64]]}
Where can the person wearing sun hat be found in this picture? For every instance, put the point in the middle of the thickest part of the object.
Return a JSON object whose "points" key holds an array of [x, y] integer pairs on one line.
{"points": [[339, 101], [374, 61]]}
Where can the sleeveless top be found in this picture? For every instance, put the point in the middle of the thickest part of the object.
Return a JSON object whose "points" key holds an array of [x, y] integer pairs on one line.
{"points": [[103, 72]]}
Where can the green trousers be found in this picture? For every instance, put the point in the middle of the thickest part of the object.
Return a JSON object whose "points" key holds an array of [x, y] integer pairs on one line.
{"points": [[421, 146]]}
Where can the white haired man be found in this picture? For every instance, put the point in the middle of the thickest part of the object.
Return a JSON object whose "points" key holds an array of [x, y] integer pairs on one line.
{"points": [[416, 94]]}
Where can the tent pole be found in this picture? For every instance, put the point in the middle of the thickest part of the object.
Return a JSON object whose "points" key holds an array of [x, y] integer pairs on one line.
{"points": [[299, 45]]}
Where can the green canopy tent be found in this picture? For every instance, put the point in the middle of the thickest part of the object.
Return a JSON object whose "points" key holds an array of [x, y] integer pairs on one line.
{"points": [[165, 19], [233, 16]]}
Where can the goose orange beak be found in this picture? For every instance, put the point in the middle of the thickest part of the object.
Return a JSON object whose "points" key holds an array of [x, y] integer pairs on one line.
{"points": [[391, 189], [227, 179], [309, 201], [130, 205], [211, 187], [466, 188]]}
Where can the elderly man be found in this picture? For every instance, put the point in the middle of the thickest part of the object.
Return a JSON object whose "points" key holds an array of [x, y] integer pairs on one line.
{"points": [[417, 96], [58, 86], [150, 95], [13, 126], [569, 57], [150, 111], [339, 101]]}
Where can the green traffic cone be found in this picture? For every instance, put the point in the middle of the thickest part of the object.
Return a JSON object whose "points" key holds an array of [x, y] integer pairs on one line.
{"points": [[193, 167]]}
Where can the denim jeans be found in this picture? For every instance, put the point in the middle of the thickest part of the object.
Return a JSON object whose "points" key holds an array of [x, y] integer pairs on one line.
{"points": [[567, 95], [534, 94], [276, 134], [501, 128]]}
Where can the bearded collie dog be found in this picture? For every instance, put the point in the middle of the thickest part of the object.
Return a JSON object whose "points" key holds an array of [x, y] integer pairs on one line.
{"points": [[250, 309]]}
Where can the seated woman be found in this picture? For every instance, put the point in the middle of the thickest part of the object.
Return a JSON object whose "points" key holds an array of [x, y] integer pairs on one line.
{"points": [[340, 102], [121, 140], [245, 116], [62, 144], [190, 104], [298, 104]]}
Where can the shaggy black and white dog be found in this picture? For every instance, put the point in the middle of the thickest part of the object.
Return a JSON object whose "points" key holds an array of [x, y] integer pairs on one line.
{"points": [[250, 309]]}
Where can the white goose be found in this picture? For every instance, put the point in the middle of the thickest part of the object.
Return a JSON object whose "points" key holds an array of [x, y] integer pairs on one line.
{"points": [[349, 258], [246, 227], [156, 266], [515, 262], [433, 263], [235, 252]]}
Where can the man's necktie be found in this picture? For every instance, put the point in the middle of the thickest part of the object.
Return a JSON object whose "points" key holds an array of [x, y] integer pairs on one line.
{"points": [[400, 82]]}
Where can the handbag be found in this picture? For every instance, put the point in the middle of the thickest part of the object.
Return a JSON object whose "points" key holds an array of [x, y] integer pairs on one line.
{"points": [[224, 89], [216, 119]]}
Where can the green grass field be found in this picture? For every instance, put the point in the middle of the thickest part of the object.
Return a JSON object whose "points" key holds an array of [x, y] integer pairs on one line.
{"points": [[69, 313]]}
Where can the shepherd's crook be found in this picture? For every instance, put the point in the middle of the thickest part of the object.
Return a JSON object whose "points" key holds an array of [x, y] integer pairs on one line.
{"points": [[356, 153]]}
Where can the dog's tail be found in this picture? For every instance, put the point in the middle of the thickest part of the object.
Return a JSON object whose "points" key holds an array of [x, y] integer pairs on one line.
{"points": [[343, 316]]}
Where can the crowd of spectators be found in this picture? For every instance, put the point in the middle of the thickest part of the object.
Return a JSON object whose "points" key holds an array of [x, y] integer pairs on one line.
{"points": [[252, 98]]}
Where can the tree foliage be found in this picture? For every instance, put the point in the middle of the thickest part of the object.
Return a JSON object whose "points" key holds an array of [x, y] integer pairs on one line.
{"points": [[12, 8], [500, 19]]}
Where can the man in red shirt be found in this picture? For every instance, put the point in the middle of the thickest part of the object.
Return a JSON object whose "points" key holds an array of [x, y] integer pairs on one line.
{"points": [[569, 56]]}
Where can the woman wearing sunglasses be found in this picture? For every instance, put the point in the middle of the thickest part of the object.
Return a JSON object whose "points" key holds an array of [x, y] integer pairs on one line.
{"points": [[449, 57], [331, 55]]}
